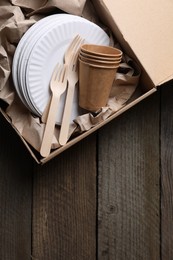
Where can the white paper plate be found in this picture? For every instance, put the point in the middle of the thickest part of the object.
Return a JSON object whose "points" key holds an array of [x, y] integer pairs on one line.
{"points": [[49, 50], [27, 49], [23, 50], [21, 47]]}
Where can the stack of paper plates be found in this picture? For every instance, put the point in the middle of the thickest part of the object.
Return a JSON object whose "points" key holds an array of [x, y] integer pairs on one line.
{"points": [[40, 49]]}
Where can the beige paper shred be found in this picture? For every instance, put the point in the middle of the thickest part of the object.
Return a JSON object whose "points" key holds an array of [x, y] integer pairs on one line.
{"points": [[16, 16]]}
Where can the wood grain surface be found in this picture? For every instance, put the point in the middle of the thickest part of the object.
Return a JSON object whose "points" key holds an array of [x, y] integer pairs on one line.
{"points": [[15, 196], [64, 205], [167, 171], [108, 197], [128, 187]]}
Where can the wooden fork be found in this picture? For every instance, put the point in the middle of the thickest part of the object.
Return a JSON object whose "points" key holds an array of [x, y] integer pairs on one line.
{"points": [[58, 86], [73, 47], [72, 77]]}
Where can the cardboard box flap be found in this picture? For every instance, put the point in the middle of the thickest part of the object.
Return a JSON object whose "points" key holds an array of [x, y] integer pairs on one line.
{"points": [[147, 26]]}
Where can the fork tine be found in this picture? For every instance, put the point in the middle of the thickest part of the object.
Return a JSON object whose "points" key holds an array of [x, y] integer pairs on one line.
{"points": [[56, 71], [71, 46], [74, 57], [78, 44], [74, 60], [59, 72], [74, 41], [62, 73], [72, 80]]}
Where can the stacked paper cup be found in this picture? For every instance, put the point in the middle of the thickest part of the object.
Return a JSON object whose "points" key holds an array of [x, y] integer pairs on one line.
{"points": [[97, 69]]}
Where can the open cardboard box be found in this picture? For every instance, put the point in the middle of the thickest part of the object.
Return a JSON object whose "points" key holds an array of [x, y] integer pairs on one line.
{"points": [[143, 30]]}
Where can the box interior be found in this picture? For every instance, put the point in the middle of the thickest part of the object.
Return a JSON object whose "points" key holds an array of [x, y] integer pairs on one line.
{"points": [[141, 42]]}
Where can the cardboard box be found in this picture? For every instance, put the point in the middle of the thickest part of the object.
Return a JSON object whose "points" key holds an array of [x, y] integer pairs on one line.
{"points": [[143, 30]]}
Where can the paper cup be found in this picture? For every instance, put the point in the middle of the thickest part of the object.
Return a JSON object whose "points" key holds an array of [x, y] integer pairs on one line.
{"points": [[101, 50], [95, 83]]}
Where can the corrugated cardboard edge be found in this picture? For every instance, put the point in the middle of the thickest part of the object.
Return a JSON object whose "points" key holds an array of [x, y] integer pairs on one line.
{"points": [[166, 80]]}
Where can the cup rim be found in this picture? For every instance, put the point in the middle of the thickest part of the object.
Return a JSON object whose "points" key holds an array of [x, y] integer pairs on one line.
{"points": [[99, 58], [98, 66], [119, 54], [103, 58], [109, 63]]}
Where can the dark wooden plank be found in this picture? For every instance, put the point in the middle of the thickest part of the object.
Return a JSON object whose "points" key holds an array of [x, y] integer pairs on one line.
{"points": [[64, 205], [167, 171], [15, 196], [128, 202]]}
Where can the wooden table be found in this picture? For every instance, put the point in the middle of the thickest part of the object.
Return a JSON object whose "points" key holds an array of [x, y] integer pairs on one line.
{"points": [[107, 197]]}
